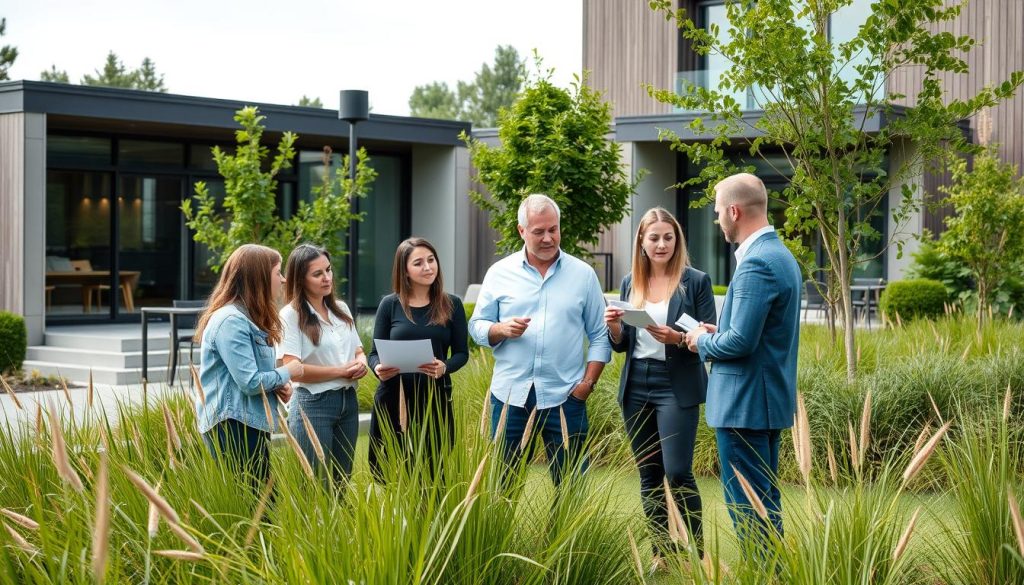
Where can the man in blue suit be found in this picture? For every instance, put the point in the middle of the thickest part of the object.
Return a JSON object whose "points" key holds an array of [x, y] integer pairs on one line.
{"points": [[752, 385]]}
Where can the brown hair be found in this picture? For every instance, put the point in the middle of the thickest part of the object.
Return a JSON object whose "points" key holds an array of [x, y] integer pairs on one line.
{"points": [[295, 291], [440, 303], [642, 264], [245, 279]]}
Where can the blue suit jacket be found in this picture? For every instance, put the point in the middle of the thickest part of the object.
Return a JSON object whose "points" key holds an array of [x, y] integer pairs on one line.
{"points": [[686, 372], [752, 384]]}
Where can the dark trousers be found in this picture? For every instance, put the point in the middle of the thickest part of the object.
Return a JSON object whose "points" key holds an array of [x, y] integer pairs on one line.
{"points": [[755, 454], [663, 435], [431, 424], [334, 416], [247, 450], [549, 423]]}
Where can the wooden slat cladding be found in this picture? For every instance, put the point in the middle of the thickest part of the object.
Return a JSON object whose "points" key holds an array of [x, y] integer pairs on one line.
{"points": [[626, 44], [12, 212], [997, 26]]}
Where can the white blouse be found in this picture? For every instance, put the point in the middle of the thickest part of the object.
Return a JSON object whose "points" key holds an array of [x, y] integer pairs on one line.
{"points": [[647, 346], [338, 344]]}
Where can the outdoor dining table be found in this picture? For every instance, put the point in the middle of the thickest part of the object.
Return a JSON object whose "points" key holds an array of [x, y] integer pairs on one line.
{"points": [[872, 296], [174, 313]]}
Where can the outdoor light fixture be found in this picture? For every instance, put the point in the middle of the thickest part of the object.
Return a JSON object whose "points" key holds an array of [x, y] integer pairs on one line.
{"points": [[354, 108]]}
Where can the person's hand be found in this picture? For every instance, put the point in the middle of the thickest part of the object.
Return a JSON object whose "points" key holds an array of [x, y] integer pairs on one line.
{"points": [[709, 327], [284, 393], [515, 327], [582, 390], [613, 315], [434, 369], [664, 334], [353, 370], [694, 335], [385, 373], [295, 368]]}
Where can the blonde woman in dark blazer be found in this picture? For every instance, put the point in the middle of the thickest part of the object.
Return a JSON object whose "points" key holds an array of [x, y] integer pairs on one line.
{"points": [[663, 383]]}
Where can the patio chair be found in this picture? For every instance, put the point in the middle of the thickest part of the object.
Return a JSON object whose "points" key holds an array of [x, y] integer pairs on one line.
{"points": [[182, 332], [813, 300], [866, 300]]}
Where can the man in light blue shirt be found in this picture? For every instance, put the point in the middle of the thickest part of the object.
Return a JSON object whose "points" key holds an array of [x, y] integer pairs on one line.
{"points": [[535, 308]]}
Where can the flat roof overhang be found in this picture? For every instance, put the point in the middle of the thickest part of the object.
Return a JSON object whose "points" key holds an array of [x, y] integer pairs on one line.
{"points": [[647, 128], [76, 107]]}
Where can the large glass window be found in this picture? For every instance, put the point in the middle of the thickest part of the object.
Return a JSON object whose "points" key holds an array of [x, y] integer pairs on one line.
{"points": [[150, 239], [77, 150], [78, 216], [845, 24], [151, 153]]}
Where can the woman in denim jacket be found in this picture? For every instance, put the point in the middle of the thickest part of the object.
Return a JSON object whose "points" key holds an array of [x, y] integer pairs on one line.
{"points": [[237, 376]]}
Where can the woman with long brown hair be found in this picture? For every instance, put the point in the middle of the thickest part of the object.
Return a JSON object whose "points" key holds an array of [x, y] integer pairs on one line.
{"points": [[419, 308], [663, 383], [238, 331], [320, 333]]}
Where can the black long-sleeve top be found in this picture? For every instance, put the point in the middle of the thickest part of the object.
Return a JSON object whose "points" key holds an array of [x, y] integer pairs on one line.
{"points": [[391, 323]]}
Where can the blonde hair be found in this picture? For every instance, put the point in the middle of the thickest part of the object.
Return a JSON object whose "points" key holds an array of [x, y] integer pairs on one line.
{"points": [[642, 264]]}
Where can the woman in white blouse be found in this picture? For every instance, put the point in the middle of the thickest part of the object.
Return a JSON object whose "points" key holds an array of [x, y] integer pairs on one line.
{"points": [[320, 332]]}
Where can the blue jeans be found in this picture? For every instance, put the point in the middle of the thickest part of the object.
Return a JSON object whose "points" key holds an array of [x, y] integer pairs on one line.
{"points": [[755, 454], [662, 435], [246, 450], [549, 423], [334, 416]]}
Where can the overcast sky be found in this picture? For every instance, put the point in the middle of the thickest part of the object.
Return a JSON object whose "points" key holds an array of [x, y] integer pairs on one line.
{"points": [[274, 52]]}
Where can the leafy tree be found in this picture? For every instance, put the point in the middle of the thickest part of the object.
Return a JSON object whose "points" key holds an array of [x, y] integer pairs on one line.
{"points": [[493, 89], [814, 94], [113, 74], [310, 102], [434, 100], [553, 142], [986, 235], [7, 53], [146, 77], [55, 75], [479, 101], [247, 214]]}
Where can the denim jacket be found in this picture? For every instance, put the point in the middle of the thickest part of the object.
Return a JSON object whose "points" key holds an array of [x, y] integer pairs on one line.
{"points": [[237, 364]]}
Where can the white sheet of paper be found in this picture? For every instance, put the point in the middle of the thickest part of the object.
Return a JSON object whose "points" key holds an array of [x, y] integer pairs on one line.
{"points": [[632, 315], [406, 354], [686, 323]]}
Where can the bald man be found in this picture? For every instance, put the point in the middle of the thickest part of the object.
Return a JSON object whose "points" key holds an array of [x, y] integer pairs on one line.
{"points": [[752, 385]]}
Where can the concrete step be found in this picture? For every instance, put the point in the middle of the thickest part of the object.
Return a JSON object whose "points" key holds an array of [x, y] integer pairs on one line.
{"points": [[105, 359], [159, 339], [111, 376]]}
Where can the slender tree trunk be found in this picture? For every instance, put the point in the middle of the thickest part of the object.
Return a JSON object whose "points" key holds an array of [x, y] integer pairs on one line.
{"points": [[843, 281]]}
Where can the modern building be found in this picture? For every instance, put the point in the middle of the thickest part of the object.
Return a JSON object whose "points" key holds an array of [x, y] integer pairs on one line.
{"points": [[627, 45], [92, 180]]}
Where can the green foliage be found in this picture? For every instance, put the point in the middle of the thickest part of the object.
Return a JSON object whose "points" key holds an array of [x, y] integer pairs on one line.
{"points": [[910, 299], [310, 102], [720, 289], [986, 234], [434, 100], [248, 213], [781, 53], [54, 75], [480, 101], [13, 341], [115, 74], [553, 142], [7, 53]]}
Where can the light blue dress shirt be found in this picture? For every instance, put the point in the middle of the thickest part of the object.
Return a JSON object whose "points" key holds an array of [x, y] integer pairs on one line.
{"points": [[237, 365], [564, 306]]}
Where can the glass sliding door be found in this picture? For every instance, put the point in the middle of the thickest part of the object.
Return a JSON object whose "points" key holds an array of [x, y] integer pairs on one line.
{"points": [[150, 239], [78, 243]]}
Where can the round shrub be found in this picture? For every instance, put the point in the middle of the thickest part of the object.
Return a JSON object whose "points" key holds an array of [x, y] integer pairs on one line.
{"points": [[910, 299], [13, 341]]}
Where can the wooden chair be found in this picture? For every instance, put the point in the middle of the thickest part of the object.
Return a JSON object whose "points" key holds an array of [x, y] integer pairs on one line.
{"points": [[88, 289]]}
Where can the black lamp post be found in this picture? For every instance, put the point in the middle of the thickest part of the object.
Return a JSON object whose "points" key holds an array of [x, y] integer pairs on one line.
{"points": [[354, 108]]}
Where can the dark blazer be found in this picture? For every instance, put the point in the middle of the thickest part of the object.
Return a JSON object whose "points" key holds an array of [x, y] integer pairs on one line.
{"points": [[686, 372]]}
